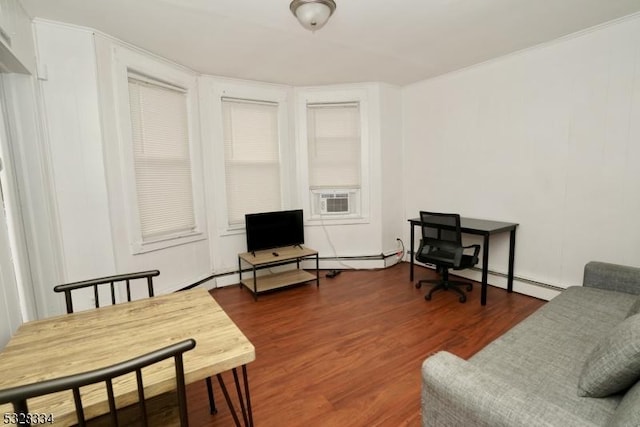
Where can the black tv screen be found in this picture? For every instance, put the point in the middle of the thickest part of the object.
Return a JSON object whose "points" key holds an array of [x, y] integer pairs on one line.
{"points": [[269, 230]]}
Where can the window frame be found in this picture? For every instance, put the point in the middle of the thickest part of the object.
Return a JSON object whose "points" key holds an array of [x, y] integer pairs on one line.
{"points": [[275, 164], [308, 194], [218, 90], [129, 63]]}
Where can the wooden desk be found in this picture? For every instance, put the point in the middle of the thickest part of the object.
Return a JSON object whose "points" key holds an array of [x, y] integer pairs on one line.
{"points": [[72, 343], [484, 228]]}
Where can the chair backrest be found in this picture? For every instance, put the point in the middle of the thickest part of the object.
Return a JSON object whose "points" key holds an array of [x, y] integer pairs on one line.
{"points": [[112, 281], [441, 238], [18, 395]]}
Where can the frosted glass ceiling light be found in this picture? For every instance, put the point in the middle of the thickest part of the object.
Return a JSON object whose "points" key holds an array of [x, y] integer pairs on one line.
{"points": [[312, 14]]}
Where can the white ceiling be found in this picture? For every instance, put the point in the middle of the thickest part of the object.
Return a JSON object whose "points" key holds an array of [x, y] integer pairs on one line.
{"points": [[393, 41]]}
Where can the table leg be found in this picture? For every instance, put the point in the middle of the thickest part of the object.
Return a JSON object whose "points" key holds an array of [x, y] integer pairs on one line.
{"points": [[245, 378], [244, 398], [512, 255], [212, 402], [317, 270], [411, 253], [485, 269]]}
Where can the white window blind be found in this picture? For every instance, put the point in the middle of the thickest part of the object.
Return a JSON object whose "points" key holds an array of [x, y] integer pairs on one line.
{"points": [[252, 157], [334, 145], [161, 155]]}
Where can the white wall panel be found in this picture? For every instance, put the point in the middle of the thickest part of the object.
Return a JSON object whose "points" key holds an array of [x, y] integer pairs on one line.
{"points": [[37, 201], [10, 313], [547, 138], [71, 109], [390, 160]]}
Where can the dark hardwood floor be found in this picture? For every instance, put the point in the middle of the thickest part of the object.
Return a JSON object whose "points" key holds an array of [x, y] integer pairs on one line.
{"points": [[349, 352]]}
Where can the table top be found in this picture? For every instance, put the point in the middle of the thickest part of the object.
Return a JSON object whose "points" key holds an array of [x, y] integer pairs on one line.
{"points": [[479, 226], [283, 254], [86, 340]]}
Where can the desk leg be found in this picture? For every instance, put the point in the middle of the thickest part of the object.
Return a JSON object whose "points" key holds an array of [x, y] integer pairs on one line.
{"points": [[512, 255], [411, 253], [317, 270], [245, 400], [485, 269]]}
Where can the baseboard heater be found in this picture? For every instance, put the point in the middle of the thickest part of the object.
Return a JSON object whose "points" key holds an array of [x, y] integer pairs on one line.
{"points": [[506, 276], [522, 279]]}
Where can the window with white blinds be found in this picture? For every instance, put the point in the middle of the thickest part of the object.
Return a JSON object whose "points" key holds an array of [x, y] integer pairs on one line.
{"points": [[251, 156], [334, 145], [161, 155]]}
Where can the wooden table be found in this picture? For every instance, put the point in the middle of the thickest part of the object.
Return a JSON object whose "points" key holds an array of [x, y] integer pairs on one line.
{"points": [[484, 228], [72, 343]]}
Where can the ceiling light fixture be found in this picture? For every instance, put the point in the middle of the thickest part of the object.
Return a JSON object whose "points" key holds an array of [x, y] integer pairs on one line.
{"points": [[312, 14]]}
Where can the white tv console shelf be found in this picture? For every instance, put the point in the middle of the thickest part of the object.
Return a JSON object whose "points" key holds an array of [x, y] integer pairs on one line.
{"points": [[274, 257]]}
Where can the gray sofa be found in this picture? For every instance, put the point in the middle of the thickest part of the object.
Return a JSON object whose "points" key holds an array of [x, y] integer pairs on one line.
{"points": [[548, 369]]}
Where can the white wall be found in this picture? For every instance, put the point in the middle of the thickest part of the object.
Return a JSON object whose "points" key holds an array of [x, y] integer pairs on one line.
{"points": [[72, 115], [179, 265], [227, 242], [543, 138], [372, 235], [390, 160], [10, 316], [16, 299], [333, 237], [81, 115], [547, 138]]}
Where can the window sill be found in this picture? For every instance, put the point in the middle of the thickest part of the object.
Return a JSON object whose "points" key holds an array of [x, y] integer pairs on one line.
{"points": [[318, 220], [166, 242]]}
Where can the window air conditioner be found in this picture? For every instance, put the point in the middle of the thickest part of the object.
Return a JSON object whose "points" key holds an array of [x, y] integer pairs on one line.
{"points": [[334, 203]]}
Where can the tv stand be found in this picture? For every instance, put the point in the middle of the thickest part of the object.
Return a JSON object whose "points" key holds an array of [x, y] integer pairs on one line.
{"points": [[268, 258]]}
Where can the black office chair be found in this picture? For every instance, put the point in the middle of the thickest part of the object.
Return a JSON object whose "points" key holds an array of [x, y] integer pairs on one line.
{"points": [[120, 280], [165, 410], [441, 245]]}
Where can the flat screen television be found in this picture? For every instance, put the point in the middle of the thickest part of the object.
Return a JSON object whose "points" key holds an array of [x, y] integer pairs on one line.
{"points": [[269, 230]]}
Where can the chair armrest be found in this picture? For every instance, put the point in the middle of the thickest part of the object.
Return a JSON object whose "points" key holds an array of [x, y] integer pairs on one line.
{"points": [[457, 393], [613, 277], [476, 251]]}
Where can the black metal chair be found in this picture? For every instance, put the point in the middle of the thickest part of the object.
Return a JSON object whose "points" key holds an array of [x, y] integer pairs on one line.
{"points": [[115, 281], [146, 412], [441, 245], [112, 281]]}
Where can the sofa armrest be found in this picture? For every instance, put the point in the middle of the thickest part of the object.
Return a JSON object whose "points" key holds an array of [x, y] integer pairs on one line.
{"points": [[457, 393], [613, 277]]}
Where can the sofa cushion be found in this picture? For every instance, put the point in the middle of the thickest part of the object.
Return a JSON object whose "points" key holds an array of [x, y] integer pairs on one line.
{"points": [[627, 413], [635, 308], [614, 364]]}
